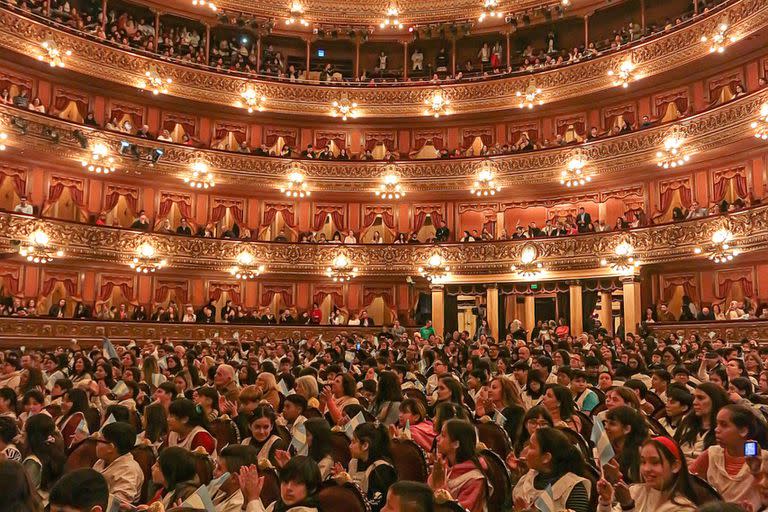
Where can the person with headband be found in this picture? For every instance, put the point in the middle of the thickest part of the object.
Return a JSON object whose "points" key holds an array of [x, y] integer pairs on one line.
{"points": [[666, 486]]}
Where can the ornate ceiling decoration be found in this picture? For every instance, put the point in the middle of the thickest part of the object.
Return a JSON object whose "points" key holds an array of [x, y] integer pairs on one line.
{"points": [[657, 244], [17, 34], [710, 130]]}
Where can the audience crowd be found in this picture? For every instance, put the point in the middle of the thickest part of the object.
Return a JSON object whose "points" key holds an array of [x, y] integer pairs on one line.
{"points": [[402, 421]]}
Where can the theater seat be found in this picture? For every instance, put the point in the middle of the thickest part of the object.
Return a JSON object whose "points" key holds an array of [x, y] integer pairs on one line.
{"points": [[203, 467], [494, 437], [271, 490], [417, 394], [704, 491], [578, 441], [145, 457], [410, 460], [82, 456], [347, 497], [225, 431], [340, 448], [501, 480]]}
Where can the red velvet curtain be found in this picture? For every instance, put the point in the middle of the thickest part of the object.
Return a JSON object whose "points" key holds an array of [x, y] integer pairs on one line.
{"points": [[689, 288], [106, 290], [372, 142], [57, 189], [233, 291], [421, 216], [167, 203], [336, 297], [11, 281], [386, 216], [271, 212], [721, 185], [669, 193], [221, 210], [372, 295], [490, 224], [114, 196], [269, 293], [69, 286], [163, 290], [336, 216], [727, 283], [19, 182], [487, 138]]}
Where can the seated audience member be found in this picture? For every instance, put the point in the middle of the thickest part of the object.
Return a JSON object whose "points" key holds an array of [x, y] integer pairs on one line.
{"points": [[122, 472], [299, 486], [232, 459], [81, 490], [186, 425], [175, 475], [24, 207]]}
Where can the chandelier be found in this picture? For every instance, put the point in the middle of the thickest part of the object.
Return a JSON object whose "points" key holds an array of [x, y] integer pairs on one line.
{"points": [[3, 138], [437, 104], [204, 3], [344, 108], [485, 185], [154, 82], [624, 75], [761, 125], [296, 15], [528, 266], [574, 175], [719, 39], [53, 54], [721, 250], [622, 259], [435, 271], [246, 267], [390, 187], [672, 154], [38, 249], [146, 259], [490, 10], [200, 177], [252, 100], [295, 186], [392, 19], [100, 161], [341, 269], [530, 97]]}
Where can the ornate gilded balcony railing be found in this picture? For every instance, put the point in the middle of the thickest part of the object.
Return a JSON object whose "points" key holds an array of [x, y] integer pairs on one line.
{"points": [[728, 330], [610, 157], [677, 49], [657, 244], [52, 332]]}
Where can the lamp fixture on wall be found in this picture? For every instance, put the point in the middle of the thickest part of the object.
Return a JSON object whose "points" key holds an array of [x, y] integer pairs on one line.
{"points": [[246, 267], [38, 248], [530, 97], [528, 266], [341, 269], [53, 54], [719, 39], [673, 153], [252, 100], [624, 75], [296, 15], [390, 187], [296, 185], [344, 108], [575, 175], [484, 184], [622, 260], [154, 82], [720, 248], [760, 126], [200, 176], [146, 259], [437, 104], [435, 270]]}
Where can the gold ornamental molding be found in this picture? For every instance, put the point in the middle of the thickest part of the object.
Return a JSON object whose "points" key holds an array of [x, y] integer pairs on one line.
{"points": [[612, 157], [673, 50], [49, 333], [652, 245], [731, 330]]}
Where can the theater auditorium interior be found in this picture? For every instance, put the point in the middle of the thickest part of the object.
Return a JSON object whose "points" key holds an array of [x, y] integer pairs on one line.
{"points": [[383, 256]]}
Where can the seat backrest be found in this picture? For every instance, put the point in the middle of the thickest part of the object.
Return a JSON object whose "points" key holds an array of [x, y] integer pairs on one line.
{"points": [[312, 412], [654, 399], [410, 460], [500, 479], [225, 431], [417, 394], [82, 456], [578, 441], [494, 437], [203, 467], [704, 491], [340, 448], [54, 410], [656, 427], [93, 419], [271, 490], [347, 497], [586, 424], [145, 457]]}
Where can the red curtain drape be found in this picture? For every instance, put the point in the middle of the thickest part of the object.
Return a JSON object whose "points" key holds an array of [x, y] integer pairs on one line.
{"points": [[487, 138], [689, 288], [723, 181], [668, 193], [336, 216], [490, 224], [167, 203], [221, 210], [69, 286], [336, 297], [269, 293], [725, 284], [271, 212], [19, 181], [386, 217], [163, 290], [114, 196], [106, 290], [372, 142], [11, 280], [421, 216], [372, 295], [233, 292]]}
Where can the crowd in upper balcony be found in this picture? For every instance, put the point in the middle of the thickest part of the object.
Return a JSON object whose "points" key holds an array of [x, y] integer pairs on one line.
{"points": [[185, 40]]}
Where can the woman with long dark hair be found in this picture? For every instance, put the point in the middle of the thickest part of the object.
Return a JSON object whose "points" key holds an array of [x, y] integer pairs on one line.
{"points": [[175, 474], [74, 404], [696, 432], [554, 461], [627, 430], [458, 469], [389, 394], [299, 486], [16, 489], [187, 425], [263, 435], [44, 460], [371, 465]]}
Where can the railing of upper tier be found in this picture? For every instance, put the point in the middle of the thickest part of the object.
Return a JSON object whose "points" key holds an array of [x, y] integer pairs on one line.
{"points": [[419, 81], [652, 245], [732, 331], [670, 51], [52, 332], [610, 157]]}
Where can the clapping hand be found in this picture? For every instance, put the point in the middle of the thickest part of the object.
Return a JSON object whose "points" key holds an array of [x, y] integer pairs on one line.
{"points": [[250, 482], [281, 458]]}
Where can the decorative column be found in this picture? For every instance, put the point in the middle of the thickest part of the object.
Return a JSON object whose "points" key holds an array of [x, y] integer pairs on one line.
{"points": [[357, 58], [438, 308], [492, 309], [632, 305], [103, 14], [258, 54], [309, 52], [586, 31], [606, 313], [577, 321], [453, 56], [405, 60], [157, 31], [642, 13], [207, 43], [509, 53], [529, 321]]}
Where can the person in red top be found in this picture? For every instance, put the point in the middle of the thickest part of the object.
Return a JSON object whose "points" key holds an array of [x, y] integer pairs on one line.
{"points": [[316, 315], [186, 423]]}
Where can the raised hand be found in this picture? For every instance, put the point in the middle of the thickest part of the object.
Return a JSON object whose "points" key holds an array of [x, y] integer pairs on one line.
{"points": [[282, 457], [250, 482]]}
